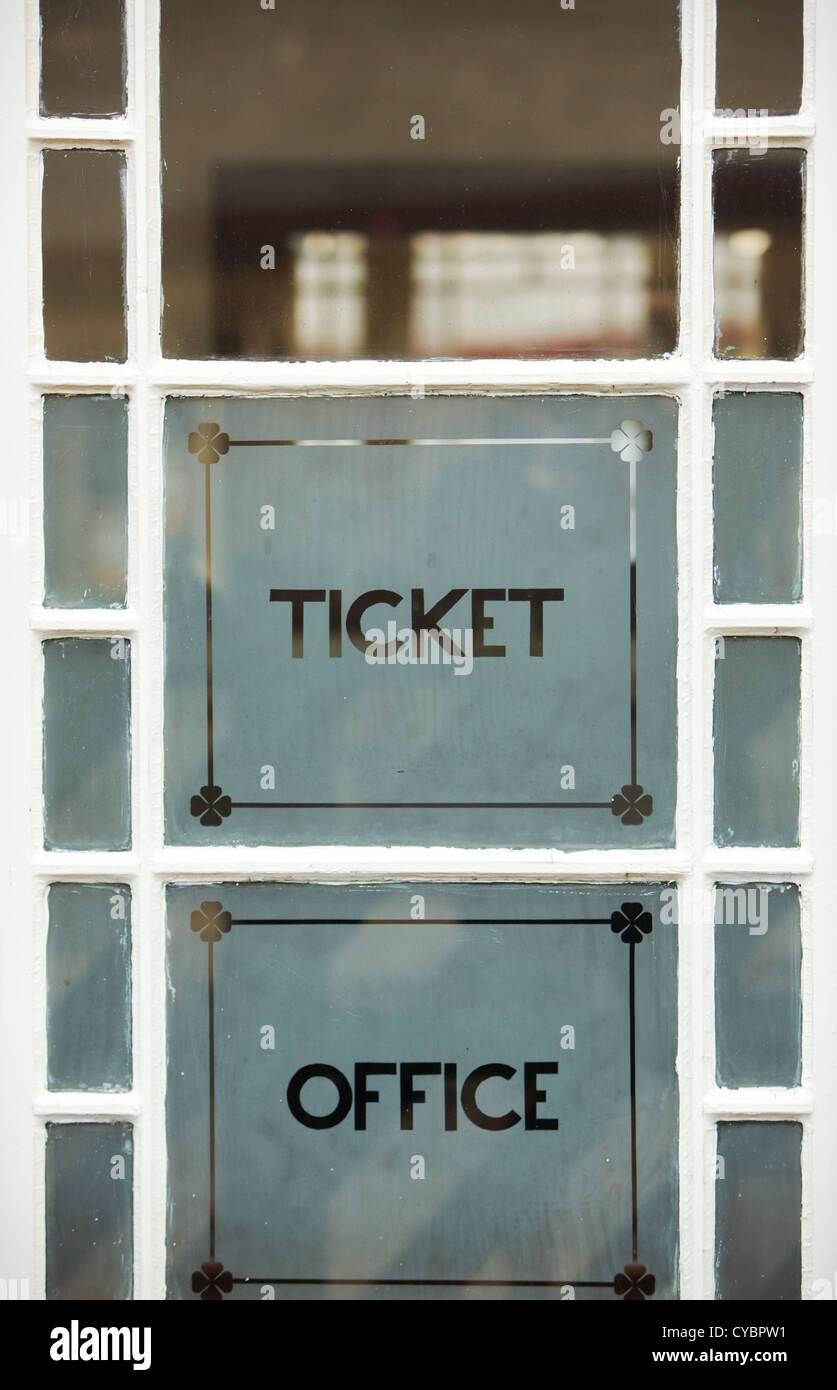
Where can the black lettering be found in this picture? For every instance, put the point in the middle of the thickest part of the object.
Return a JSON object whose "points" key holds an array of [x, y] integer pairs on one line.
{"points": [[532, 1096], [335, 625], [409, 1095], [536, 598], [469, 1097], [297, 598], [451, 1113], [427, 620], [359, 607], [481, 624], [362, 1095], [344, 1096]]}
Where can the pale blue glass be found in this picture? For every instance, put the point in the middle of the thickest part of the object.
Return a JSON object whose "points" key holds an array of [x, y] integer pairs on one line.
{"points": [[85, 501], [571, 745], [757, 487], [87, 743], [89, 1211], [758, 996], [267, 979], [758, 1204], [89, 987], [757, 694]]}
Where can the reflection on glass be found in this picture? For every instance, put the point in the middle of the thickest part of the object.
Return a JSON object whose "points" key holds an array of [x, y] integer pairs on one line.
{"points": [[758, 206], [89, 987], [757, 490], [445, 183], [759, 57], [758, 1000], [87, 746], [89, 1211], [85, 501], [82, 58], [757, 741], [84, 255], [758, 1199]]}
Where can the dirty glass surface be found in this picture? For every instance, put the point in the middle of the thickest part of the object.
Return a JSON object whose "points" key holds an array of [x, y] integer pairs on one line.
{"points": [[758, 1199], [87, 743], [404, 1082], [89, 1210], [757, 693], [85, 501], [88, 966], [757, 495], [534, 702]]}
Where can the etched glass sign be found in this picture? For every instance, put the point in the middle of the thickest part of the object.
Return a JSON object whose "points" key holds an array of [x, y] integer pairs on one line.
{"points": [[421, 621], [422, 1091]]}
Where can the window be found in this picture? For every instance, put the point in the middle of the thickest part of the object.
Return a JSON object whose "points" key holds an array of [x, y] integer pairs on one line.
{"points": [[440, 578]]}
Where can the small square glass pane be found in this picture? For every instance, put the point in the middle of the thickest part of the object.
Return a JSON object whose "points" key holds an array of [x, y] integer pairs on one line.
{"points": [[759, 50], [83, 68], [83, 235], [87, 743], [89, 987], [757, 493], [85, 501], [758, 997], [89, 1211], [758, 1206], [758, 200], [757, 693]]}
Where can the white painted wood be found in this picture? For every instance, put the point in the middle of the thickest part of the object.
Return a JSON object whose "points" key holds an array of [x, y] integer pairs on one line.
{"points": [[689, 375]]}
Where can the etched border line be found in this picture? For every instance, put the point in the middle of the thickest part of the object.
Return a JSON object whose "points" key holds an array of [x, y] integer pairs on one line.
{"points": [[632, 922], [631, 805]]}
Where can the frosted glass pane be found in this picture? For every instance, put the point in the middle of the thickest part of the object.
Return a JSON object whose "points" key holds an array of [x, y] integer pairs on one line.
{"points": [[758, 197], [289, 1156], [82, 58], [758, 1001], [85, 501], [329, 519], [758, 498], [83, 225], [757, 741], [89, 987], [89, 1211], [87, 748], [759, 56], [758, 1202]]}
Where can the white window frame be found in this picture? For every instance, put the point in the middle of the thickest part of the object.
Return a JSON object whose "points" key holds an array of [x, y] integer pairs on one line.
{"points": [[695, 864]]}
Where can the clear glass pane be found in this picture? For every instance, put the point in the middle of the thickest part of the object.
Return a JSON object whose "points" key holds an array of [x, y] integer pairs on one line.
{"points": [[82, 58], [443, 181], [757, 481], [85, 501], [87, 743], [89, 987], [277, 992], [758, 1000], [758, 204], [83, 227], [759, 57], [527, 543], [758, 1200], [757, 741], [89, 1211]]}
